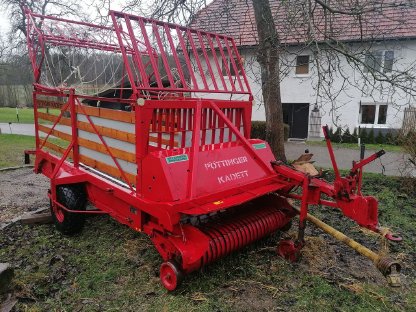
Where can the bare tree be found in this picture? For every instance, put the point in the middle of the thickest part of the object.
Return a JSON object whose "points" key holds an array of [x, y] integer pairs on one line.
{"points": [[339, 31], [17, 18]]}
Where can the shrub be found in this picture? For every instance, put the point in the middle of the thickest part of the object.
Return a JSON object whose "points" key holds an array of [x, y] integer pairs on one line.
{"points": [[380, 138], [258, 130], [363, 135], [337, 137], [346, 136], [331, 133], [370, 137], [354, 137], [388, 138], [286, 129]]}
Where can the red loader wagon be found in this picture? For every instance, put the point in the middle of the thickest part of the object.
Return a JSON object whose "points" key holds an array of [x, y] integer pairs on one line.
{"points": [[150, 123]]}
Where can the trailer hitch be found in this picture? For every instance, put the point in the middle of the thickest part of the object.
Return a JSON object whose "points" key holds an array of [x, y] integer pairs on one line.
{"points": [[346, 195]]}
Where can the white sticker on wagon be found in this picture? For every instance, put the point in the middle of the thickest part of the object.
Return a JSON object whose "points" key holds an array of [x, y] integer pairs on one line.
{"points": [[177, 158]]}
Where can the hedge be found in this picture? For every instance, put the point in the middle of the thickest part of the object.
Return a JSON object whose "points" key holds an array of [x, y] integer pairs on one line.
{"points": [[258, 130]]}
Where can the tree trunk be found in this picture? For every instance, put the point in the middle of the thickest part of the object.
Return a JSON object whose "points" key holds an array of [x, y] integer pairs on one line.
{"points": [[268, 58]]}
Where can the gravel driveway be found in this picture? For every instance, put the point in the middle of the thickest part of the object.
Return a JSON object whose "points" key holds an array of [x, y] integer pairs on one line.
{"points": [[21, 190]]}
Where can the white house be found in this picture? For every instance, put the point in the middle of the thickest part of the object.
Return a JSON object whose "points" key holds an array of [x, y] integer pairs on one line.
{"points": [[380, 44]]}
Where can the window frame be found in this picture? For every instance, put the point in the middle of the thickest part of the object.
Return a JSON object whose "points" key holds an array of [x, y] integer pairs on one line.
{"points": [[379, 55], [298, 66], [376, 115]]}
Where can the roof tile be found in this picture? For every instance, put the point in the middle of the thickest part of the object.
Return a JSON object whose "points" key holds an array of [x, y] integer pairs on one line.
{"points": [[383, 19]]}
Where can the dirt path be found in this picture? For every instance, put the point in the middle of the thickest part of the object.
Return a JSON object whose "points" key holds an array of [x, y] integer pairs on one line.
{"points": [[21, 191]]}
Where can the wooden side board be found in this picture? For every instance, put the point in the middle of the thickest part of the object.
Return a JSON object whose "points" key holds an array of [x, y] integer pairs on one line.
{"points": [[118, 153], [104, 131], [110, 170]]}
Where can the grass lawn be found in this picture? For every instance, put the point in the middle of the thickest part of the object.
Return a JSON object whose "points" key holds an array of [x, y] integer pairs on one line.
{"points": [[109, 267], [8, 114], [376, 147], [12, 147]]}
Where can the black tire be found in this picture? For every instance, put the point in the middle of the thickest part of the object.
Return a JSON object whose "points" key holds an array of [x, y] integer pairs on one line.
{"points": [[73, 197]]}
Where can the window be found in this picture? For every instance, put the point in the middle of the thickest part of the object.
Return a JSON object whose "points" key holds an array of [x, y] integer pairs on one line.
{"points": [[302, 65], [231, 67], [368, 114], [382, 114], [377, 61], [388, 61], [374, 114]]}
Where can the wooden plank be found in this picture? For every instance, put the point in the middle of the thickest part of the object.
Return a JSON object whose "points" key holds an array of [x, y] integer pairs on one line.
{"points": [[38, 218], [54, 132], [110, 170], [108, 132], [52, 118], [99, 147], [86, 126], [117, 153], [106, 113], [54, 147]]}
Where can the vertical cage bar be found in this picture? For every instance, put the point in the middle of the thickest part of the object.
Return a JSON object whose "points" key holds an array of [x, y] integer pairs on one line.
{"points": [[150, 52], [236, 70], [204, 51], [214, 55], [163, 54], [137, 54], [175, 55], [198, 62], [186, 56], [224, 60]]}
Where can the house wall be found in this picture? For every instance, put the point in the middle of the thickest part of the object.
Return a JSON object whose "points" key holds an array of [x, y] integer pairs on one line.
{"points": [[344, 109], [348, 89]]}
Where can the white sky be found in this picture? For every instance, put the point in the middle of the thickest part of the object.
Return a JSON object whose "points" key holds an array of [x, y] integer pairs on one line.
{"points": [[4, 22]]}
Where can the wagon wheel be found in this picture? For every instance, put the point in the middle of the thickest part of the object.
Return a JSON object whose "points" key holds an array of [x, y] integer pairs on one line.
{"points": [[171, 275], [72, 197]]}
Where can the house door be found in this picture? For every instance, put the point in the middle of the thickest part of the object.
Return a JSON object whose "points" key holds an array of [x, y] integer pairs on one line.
{"points": [[296, 115]]}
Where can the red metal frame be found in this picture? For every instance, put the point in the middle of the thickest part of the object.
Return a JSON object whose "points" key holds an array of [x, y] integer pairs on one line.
{"points": [[194, 156]]}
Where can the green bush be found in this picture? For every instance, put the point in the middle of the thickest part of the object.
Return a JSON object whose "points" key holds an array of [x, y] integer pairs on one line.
{"points": [[286, 129], [370, 137], [363, 135], [380, 138], [346, 136], [331, 133], [388, 138], [258, 130], [337, 136], [354, 137]]}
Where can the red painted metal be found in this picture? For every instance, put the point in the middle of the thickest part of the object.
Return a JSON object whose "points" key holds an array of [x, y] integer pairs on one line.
{"points": [[229, 235], [192, 156]]}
